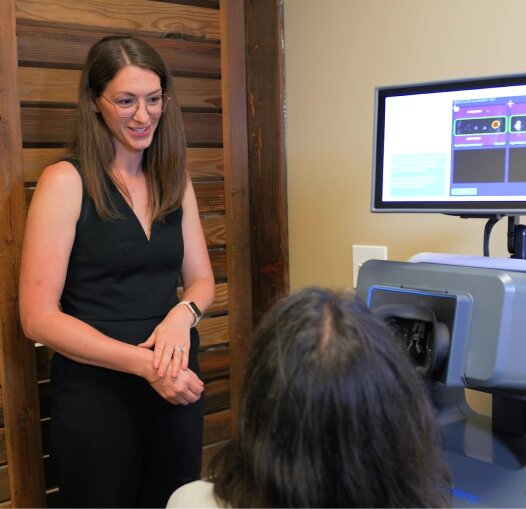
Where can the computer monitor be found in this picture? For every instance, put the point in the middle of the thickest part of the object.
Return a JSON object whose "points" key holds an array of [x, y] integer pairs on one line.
{"points": [[454, 147]]}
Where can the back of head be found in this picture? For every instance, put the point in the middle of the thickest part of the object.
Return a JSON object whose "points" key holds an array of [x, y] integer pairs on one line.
{"points": [[333, 415]]}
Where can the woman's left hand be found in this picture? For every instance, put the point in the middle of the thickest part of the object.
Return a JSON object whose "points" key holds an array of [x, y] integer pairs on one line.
{"points": [[171, 342]]}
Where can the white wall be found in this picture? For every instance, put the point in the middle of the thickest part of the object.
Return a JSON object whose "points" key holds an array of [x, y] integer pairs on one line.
{"points": [[337, 52]]}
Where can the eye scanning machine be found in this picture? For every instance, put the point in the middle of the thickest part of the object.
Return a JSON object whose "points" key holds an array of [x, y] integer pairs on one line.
{"points": [[463, 322]]}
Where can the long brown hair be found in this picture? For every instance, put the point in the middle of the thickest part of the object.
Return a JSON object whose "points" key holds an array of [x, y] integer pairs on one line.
{"points": [[163, 162], [332, 414]]}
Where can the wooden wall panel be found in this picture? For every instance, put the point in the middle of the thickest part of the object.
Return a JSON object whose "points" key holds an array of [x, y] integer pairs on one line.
{"points": [[22, 479], [157, 17], [66, 48]]}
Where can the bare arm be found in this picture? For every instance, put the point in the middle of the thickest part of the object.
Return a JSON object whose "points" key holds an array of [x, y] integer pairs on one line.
{"points": [[199, 286], [49, 236]]}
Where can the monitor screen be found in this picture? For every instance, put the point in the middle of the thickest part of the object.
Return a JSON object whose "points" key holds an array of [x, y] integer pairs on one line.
{"points": [[454, 147]]}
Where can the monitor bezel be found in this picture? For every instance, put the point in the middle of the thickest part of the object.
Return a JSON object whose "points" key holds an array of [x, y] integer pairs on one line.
{"points": [[465, 209]]}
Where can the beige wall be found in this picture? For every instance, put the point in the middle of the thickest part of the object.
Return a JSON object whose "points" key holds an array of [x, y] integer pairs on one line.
{"points": [[337, 52]]}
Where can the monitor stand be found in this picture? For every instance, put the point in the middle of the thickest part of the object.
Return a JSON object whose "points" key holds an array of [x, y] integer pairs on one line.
{"points": [[488, 466], [516, 243]]}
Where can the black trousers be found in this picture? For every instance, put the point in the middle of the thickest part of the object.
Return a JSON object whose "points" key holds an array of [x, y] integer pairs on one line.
{"points": [[116, 442]]}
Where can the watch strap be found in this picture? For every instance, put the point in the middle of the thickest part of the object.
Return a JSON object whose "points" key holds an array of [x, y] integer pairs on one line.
{"points": [[192, 307]]}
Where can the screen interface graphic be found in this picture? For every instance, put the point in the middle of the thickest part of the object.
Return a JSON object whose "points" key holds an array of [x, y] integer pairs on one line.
{"points": [[455, 146]]}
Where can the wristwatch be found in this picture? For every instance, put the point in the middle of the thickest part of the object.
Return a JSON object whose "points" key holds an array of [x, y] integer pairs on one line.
{"points": [[192, 307]]}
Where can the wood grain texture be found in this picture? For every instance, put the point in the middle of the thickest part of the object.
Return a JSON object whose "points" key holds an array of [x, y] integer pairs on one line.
{"points": [[219, 264], [237, 201], [210, 197], [137, 15], [213, 331], [214, 228], [266, 121], [17, 362], [51, 46]]}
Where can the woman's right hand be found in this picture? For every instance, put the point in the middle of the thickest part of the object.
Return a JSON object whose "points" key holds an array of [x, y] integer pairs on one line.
{"points": [[186, 388]]}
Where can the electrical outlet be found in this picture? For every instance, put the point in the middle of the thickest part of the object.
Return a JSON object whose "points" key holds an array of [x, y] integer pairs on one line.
{"points": [[360, 254]]}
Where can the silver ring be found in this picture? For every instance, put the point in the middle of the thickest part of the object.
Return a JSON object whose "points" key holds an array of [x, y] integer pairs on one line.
{"points": [[179, 349]]}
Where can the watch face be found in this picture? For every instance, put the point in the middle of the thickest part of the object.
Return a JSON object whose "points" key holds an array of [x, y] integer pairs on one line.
{"points": [[195, 308]]}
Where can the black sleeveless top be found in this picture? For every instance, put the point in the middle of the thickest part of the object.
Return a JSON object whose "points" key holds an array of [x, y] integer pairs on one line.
{"points": [[117, 280]]}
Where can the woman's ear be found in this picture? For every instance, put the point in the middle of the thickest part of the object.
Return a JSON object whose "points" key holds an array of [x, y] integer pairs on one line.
{"points": [[93, 102]]}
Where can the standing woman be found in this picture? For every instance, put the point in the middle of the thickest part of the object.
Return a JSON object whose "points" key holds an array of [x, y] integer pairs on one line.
{"points": [[109, 233]]}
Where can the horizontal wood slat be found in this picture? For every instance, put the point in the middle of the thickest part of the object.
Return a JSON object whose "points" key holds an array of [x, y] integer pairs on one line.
{"points": [[217, 395], [215, 362], [214, 229], [203, 129], [220, 304], [49, 46], [218, 426], [210, 197], [213, 331], [202, 163], [55, 125], [138, 15], [44, 85], [205, 163], [219, 266]]}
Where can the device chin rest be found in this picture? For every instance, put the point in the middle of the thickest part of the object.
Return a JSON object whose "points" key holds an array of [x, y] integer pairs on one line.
{"points": [[418, 331]]}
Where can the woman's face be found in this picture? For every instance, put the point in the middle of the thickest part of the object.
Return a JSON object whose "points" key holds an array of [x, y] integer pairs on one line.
{"points": [[134, 132]]}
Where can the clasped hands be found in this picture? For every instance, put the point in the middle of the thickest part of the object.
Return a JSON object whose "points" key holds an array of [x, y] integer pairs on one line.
{"points": [[171, 348]]}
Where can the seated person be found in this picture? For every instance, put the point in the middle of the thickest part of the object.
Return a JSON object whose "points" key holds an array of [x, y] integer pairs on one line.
{"points": [[333, 414]]}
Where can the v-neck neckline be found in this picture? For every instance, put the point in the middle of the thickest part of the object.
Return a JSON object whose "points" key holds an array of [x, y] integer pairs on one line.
{"points": [[132, 213]]}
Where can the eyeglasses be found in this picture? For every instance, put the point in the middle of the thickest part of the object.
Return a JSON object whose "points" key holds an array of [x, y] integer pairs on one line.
{"points": [[128, 106]]}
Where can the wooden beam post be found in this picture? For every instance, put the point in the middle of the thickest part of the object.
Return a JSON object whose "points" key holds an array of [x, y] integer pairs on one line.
{"points": [[237, 198], [17, 354], [266, 137]]}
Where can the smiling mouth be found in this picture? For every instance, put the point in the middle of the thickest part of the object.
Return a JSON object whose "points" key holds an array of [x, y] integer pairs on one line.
{"points": [[139, 130]]}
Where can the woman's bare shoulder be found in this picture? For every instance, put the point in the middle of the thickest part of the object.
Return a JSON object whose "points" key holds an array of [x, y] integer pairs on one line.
{"points": [[61, 172]]}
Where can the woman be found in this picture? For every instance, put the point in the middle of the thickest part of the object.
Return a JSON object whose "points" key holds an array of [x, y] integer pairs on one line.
{"points": [[333, 414], [109, 232]]}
